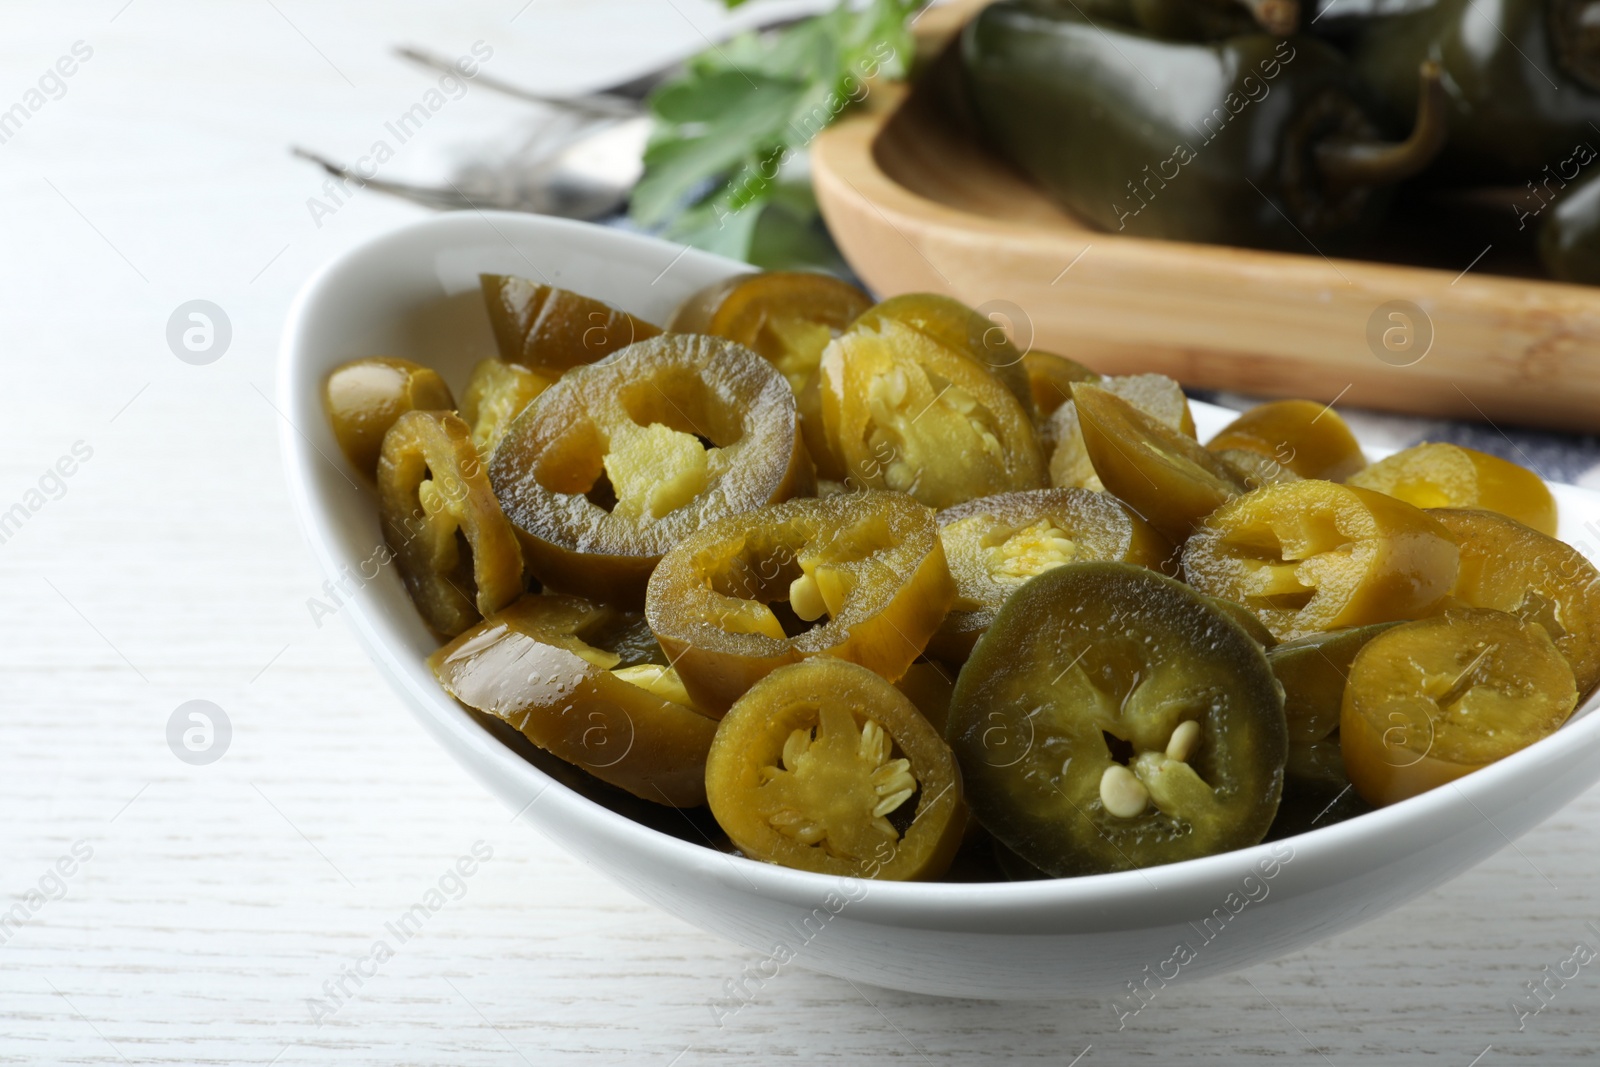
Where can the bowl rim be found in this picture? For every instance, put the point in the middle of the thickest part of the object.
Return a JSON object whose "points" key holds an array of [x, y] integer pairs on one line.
{"points": [[910, 904]]}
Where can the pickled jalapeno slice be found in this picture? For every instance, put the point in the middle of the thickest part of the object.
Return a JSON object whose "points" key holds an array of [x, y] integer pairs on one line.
{"points": [[1050, 381], [1449, 476], [824, 766], [1161, 472], [1256, 469], [1511, 567], [858, 576], [996, 543], [551, 330], [364, 396], [456, 552], [929, 685], [620, 460], [1112, 719], [787, 316], [1248, 620], [1156, 395], [1313, 556], [1436, 699], [557, 668], [961, 329], [1316, 791], [496, 394], [904, 411], [1313, 671], [1308, 438]]}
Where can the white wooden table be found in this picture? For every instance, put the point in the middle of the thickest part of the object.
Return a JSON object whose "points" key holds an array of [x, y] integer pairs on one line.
{"points": [[227, 913]]}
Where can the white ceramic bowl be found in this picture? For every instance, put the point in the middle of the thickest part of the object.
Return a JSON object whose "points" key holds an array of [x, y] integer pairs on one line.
{"points": [[414, 293]]}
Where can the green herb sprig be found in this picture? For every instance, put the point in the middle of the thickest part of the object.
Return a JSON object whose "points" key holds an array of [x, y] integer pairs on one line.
{"points": [[725, 169]]}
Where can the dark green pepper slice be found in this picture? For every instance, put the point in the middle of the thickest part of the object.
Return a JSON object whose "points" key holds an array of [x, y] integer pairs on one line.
{"points": [[1248, 620], [1113, 719], [1316, 791], [1162, 474], [1313, 671], [551, 330], [1524, 82], [1249, 141]]}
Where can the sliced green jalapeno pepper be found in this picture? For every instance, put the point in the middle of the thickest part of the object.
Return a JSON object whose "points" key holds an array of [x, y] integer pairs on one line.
{"points": [[1313, 671], [855, 576], [960, 329], [551, 330], [619, 460], [364, 397], [434, 498], [1156, 395], [824, 766], [997, 543], [1163, 474], [1112, 719], [1511, 567], [787, 316], [1433, 700], [571, 676], [1312, 556]]}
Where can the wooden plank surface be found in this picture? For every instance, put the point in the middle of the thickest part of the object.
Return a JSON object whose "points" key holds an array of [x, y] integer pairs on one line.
{"points": [[217, 900]]}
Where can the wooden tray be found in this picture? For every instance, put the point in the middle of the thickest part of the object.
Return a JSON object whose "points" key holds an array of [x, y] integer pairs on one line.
{"points": [[918, 205]]}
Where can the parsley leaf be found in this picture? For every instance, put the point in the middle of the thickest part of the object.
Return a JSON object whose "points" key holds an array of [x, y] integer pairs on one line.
{"points": [[725, 167]]}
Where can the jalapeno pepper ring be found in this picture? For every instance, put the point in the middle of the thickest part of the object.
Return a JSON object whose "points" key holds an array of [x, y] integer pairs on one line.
{"points": [[904, 411], [857, 576], [620, 460], [1312, 556], [995, 544], [1161, 472], [1112, 719], [433, 493], [364, 396], [824, 766], [540, 665], [1511, 567], [1308, 438], [1155, 395], [1449, 476], [552, 330], [787, 316], [1433, 700]]}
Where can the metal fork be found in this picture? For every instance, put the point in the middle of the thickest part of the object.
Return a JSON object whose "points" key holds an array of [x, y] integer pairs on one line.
{"points": [[582, 163]]}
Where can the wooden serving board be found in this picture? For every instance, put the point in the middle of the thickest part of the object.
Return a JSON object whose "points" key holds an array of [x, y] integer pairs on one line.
{"points": [[917, 204]]}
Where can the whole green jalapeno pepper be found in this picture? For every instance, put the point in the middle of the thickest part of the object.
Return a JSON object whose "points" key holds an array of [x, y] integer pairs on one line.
{"points": [[1524, 80], [1248, 141], [1569, 236], [1211, 20]]}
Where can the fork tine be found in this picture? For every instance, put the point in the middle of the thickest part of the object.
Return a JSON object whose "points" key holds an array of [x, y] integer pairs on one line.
{"points": [[428, 196], [554, 199], [623, 99], [606, 102]]}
